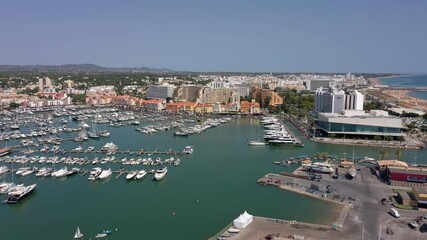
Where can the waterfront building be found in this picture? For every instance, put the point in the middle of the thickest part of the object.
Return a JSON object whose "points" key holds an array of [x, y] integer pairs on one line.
{"points": [[203, 108], [359, 123], [154, 104], [251, 107], [160, 91], [332, 100], [262, 95], [180, 106]]}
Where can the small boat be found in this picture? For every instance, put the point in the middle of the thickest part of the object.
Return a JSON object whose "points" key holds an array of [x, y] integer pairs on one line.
{"points": [[94, 174], [256, 143], [78, 234], [141, 174], [100, 235], [60, 173], [131, 175], [106, 231], [188, 150], [105, 174], [160, 173]]}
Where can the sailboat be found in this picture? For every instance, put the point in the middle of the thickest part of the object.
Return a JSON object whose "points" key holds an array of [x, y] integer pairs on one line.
{"points": [[94, 133], [352, 171], [78, 234]]}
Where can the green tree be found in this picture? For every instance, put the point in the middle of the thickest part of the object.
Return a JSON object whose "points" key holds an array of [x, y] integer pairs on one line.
{"points": [[13, 105], [377, 138], [383, 153], [267, 101]]}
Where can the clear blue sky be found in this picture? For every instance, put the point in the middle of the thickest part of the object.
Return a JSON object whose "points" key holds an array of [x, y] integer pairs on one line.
{"points": [[219, 35]]}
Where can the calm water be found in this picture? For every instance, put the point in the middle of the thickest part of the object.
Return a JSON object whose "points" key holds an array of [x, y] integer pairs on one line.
{"points": [[195, 200], [409, 81]]}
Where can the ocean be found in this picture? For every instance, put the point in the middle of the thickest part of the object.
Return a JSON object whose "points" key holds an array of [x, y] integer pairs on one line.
{"points": [[408, 81]]}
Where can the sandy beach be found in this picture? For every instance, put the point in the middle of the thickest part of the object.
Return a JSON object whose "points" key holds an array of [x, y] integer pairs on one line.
{"points": [[405, 100]]}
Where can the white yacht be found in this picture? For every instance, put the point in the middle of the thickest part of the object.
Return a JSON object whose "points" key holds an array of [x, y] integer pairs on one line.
{"points": [[28, 172], [160, 173], [60, 173], [105, 173], [131, 175], [141, 174], [20, 193]]}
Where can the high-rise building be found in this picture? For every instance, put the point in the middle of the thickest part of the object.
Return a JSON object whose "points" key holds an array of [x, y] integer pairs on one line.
{"points": [[218, 95], [45, 83], [331, 100], [160, 91]]}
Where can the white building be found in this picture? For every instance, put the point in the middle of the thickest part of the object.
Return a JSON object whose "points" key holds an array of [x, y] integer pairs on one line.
{"points": [[331, 100], [352, 122], [243, 220], [160, 91]]}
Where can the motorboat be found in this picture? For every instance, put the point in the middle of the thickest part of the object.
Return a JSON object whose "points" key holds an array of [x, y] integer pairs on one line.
{"points": [[160, 173], [60, 173], [104, 133], [94, 173], [20, 193], [28, 172], [100, 235], [105, 173], [188, 150], [141, 174], [3, 169], [131, 175], [78, 234], [256, 143]]}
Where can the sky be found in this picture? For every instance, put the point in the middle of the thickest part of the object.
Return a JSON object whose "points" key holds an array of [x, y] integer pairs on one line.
{"points": [[218, 35]]}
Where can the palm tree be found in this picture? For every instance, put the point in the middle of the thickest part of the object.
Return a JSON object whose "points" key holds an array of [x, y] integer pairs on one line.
{"points": [[383, 153], [398, 153], [324, 155]]}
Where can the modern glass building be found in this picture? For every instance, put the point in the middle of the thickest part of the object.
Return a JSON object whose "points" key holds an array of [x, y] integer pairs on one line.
{"points": [[375, 123]]}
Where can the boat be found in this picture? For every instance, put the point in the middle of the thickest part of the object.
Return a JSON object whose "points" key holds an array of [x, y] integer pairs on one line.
{"points": [[104, 133], [4, 151], [20, 193], [394, 213], [188, 150], [256, 143], [100, 235], [141, 174], [317, 168], [78, 234], [160, 173], [14, 127], [28, 172], [106, 231], [105, 173], [131, 175], [94, 173], [60, 173], [3, 169]]}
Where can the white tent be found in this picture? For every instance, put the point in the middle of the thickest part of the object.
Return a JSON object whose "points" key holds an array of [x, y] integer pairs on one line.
{"points": [[243, 220]]}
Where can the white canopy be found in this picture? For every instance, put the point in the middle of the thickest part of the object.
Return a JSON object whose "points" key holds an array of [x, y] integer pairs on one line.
{"points": [[243, 220]]}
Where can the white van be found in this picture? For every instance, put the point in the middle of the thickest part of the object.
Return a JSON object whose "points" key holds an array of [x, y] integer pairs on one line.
{"points": [[394, 212]]}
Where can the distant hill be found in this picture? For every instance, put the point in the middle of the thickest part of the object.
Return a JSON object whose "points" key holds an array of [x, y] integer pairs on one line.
{"points": [[77, 68]]}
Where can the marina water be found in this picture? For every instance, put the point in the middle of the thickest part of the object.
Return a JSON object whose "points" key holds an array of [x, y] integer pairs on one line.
{"points": [[195, 200]]}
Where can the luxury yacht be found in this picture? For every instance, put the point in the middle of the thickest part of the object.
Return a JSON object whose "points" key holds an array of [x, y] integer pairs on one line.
{"points": [[141, 174], [105, 174]]}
